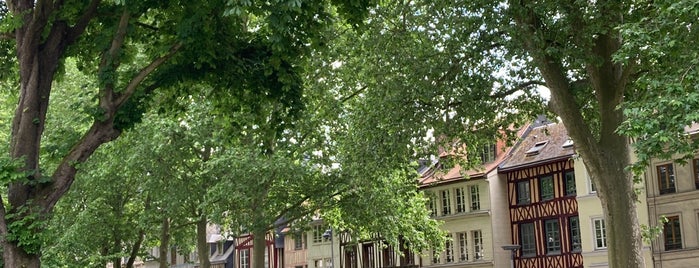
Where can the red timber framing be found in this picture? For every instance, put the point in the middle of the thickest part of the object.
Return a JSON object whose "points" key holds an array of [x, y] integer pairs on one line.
{"points": [[374, 254], [544, 217], [275, 255]]}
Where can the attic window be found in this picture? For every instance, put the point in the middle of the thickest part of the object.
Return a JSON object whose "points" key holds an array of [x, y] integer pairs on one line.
{"points": [[568, 143], [537, 147]]}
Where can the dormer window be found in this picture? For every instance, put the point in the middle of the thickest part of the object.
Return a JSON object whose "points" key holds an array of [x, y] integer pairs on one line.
{"points": [[568, 143], [537, 148]]}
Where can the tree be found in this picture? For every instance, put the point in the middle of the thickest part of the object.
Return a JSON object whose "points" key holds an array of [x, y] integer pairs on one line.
{"points": [[123, 46], [463, 70]]}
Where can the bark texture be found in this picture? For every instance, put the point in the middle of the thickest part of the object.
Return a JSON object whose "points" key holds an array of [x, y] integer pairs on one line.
{"points": [[202, 246], [605, 153]]}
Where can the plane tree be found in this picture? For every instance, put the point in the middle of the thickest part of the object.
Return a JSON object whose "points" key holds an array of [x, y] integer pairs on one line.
{"points": [[123, 45], [468, 70]]}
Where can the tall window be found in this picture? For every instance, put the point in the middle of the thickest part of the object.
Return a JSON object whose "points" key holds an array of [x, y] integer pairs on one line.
{"points": [[488, 153], [546, 188], [477, 244], [570, 183], [449, 249], [696, 172], [666, 179], [553, 237], [574, 228], [600, 234], [318, 231], [463, 247], [460, 200], [446, 203], [433, 204], [299, 241], [672, 233], [528, 239], [475, 198], [245, 258], [435, 256], [523, 193], [266, 258]]}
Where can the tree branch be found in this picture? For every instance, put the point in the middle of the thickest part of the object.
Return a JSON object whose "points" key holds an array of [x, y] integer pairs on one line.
{"points": [[79, 27], [133, 84], [516, 88]]}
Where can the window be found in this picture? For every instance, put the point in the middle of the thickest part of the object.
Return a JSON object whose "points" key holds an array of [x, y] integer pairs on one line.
{"points": [[600, 234], [446, 203], [266, 258], [299, 241], [546, 188], [593, 188], [528, 239], [388, 254], [488, 153], [536, 148], [433, 204], [553, 237], [322, 263], [570, 183], [449, 249], [477, 244], [318, 231], [696, 173], [523, 193], [463, 247], [672, 233], [475, 198], [245, 258], [460, 200], [435, 256], [574, 228], [666, 179]]}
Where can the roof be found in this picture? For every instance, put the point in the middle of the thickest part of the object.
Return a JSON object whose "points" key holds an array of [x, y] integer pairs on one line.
{"points": [[434, 175], [541, 145]]}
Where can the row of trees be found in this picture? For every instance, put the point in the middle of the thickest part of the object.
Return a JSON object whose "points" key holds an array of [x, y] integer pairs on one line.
{"points": [[278, 110]]}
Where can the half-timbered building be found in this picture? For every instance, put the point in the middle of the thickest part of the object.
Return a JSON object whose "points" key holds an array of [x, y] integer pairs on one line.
{"points": [[541, 193]]}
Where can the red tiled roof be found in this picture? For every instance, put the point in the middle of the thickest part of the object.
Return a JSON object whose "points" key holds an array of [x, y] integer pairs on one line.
{"points": [[434, 175]]}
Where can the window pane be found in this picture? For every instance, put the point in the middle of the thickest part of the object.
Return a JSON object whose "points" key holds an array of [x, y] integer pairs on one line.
{"points": [[600, 234], [475, 198], [449, 248], [574, 233], [463, 247], [673, 235], [553, 237], [666, 179], [477, 245], [546, 187], [523, 193], [446, 203], [460, 200], [527, 238], [570, 183]]}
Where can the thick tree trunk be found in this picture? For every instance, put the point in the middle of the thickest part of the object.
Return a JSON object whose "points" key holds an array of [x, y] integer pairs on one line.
{"points": [[258, 249], [202, 246], [164, 244]]}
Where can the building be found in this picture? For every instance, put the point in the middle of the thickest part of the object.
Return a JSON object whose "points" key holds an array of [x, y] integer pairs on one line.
{"points": [[541, 194], [673, 195], [473, 209]]}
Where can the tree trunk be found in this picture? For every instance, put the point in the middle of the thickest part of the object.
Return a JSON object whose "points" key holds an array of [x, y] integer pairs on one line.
{"points": [[258, 249], [136, 248], [17, 257], [164, 244], [202, 245]]}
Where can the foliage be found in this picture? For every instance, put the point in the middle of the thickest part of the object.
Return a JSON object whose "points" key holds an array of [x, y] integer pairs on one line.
{"points": [[665, 97]]}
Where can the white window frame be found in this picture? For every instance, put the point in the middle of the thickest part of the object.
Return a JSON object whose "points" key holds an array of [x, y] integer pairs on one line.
{"points": [[460, 195], [595, 241], [475, 197], [244, 258], [445, 198]]}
